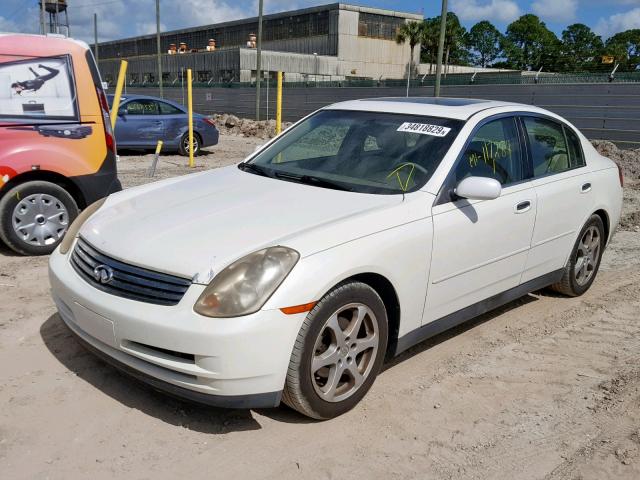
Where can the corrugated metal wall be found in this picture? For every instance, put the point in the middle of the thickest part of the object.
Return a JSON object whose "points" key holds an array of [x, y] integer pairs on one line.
{"points": [[602, 111]]}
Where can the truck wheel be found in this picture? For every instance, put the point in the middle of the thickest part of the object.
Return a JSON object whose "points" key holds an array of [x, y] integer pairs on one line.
{"points": [[338, 353], [34, 216], [584, 262]]}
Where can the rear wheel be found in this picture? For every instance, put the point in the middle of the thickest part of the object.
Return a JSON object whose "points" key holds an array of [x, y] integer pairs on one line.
{"points": [[583, 265], [34, 216], [338, 353], [184, 144]]}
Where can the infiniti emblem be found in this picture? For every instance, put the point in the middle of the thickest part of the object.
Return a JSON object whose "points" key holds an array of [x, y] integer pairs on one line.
{"points": [[103, 274]]}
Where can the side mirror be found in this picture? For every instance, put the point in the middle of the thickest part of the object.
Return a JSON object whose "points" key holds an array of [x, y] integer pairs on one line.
{"points": [[479, 188]]}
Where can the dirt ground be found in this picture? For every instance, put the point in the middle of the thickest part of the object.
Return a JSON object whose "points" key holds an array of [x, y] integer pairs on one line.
{"points": [[544, 388]]}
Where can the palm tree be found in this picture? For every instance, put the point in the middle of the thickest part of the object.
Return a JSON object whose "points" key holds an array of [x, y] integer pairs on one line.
{"points": [[410, 32]]}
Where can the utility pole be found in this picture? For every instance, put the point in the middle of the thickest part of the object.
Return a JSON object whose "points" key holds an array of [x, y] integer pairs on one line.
{"points": [[95, 36], [158, 48], [443, 27], [42, 23], [259, 59]]}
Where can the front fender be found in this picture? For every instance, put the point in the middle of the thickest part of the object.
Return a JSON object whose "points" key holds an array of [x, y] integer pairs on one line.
{"points": [[402, 255]]}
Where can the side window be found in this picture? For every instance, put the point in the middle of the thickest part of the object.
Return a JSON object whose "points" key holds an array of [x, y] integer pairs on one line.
{"points": [[494, 152], [142, 107], [548, 146], [576, 157], [166, 109]]}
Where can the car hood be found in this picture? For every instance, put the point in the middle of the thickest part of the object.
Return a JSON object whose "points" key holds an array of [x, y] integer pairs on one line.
{"points": [[196, 225]]}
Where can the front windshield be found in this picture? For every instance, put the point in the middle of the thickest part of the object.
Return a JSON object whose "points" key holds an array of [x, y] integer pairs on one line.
{"points": [[367, 152]]}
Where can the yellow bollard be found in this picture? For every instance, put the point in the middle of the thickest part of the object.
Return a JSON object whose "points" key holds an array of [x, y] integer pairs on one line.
{"points": [[154, 164], [190, 105], [279, 105], [116, 97]]}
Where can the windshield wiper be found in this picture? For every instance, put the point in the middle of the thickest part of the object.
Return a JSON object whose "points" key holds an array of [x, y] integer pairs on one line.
{"points": [[312, 180], [253, 168]]}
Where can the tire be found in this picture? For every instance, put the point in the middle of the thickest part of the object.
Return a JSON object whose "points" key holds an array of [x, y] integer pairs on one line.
{"points": [[46, 205], [184, 145], [586, 256], [312, 393]]}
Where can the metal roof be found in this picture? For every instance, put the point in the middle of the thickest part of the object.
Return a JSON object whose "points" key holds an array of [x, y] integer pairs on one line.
{"points": [[275, 16]]}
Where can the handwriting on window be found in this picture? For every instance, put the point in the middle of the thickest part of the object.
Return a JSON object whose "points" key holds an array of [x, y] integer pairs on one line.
{"points": [[491, 154]]}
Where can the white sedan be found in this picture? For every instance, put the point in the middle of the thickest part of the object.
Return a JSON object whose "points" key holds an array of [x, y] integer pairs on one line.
{"points": [[364, 229]]}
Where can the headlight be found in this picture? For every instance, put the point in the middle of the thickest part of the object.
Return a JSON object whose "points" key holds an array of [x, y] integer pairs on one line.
{"points": [[246, 285], [73, 230]]}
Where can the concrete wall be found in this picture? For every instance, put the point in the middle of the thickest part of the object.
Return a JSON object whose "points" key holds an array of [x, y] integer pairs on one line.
{"points": [[607, 111], [369, 57], [297, 67]]}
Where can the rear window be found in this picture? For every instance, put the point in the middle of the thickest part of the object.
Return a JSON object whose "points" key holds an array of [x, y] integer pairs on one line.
{"points": [[38, 88]]}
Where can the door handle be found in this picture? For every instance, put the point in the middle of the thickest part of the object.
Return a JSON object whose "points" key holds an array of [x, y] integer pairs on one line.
{"points": [[586, 187], [523, 207]]}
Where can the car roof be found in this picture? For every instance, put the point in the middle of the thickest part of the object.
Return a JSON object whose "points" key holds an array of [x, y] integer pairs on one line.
{"points": [[129, 96], [446, 107], [37, 45], [135, 96]]}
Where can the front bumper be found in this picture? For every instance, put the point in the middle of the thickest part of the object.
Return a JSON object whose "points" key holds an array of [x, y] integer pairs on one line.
{"points": [[235, 362]]}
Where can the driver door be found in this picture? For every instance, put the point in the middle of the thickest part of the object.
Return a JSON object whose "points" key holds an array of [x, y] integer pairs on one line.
{"points": [[480, 247], [139, 124]]}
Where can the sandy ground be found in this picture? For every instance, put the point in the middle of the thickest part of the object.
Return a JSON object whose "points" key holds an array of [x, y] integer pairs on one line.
{"points": [[544, 388]]}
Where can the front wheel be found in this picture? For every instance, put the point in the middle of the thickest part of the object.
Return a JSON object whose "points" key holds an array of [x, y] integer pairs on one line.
{"points": [[184, 144], [585, 258], [34, 216], [338, 353]]}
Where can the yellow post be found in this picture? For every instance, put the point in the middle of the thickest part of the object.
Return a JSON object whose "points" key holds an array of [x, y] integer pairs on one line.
{"points": [[190, 105], [279, 105], [158, 147], [116, 97]]}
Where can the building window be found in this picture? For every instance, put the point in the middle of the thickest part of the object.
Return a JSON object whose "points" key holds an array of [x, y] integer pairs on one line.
{"points": [[378, 26]]}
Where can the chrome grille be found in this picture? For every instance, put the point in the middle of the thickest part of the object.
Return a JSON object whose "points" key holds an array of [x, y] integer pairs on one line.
{"points": [[127, 281]]}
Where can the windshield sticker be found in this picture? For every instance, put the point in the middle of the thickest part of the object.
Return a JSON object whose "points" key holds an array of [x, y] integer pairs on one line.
{"points": [[424, 129]]}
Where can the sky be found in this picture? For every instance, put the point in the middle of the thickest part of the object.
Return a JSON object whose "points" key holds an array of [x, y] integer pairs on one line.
{"points": [[126, 18]]}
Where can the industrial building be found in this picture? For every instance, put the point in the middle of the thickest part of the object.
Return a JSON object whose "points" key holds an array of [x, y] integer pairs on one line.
{"points": [[330, 42]]}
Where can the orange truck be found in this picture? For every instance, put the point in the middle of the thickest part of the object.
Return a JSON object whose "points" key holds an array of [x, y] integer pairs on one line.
{"points": [[57, 150]]}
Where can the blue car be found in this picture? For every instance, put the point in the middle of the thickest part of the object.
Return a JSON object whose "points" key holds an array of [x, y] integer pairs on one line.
{"points": [[143, 120]]}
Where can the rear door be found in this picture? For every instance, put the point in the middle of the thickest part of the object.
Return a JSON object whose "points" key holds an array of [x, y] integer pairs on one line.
{"points": [[565, 193], [139, 124], [480, 247], [175, 122]]}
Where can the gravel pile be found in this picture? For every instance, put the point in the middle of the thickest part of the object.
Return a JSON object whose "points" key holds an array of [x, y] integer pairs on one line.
{"points": [[249, 128], [628, 159]]}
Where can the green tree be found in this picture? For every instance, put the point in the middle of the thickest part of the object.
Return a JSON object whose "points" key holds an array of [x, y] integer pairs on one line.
{"points": [[625, 47], [454, 41], [529, 44], [410, 32], [484, 40], [581, 48], [429, 43]]}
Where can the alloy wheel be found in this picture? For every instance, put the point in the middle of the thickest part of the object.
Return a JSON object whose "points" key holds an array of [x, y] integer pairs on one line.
{"points": [[345, 352], [587, 255]]}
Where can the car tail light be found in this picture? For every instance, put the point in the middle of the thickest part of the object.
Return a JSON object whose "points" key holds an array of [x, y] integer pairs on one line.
{"points": [[620, 174], [108, 132], [210, 121]]}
